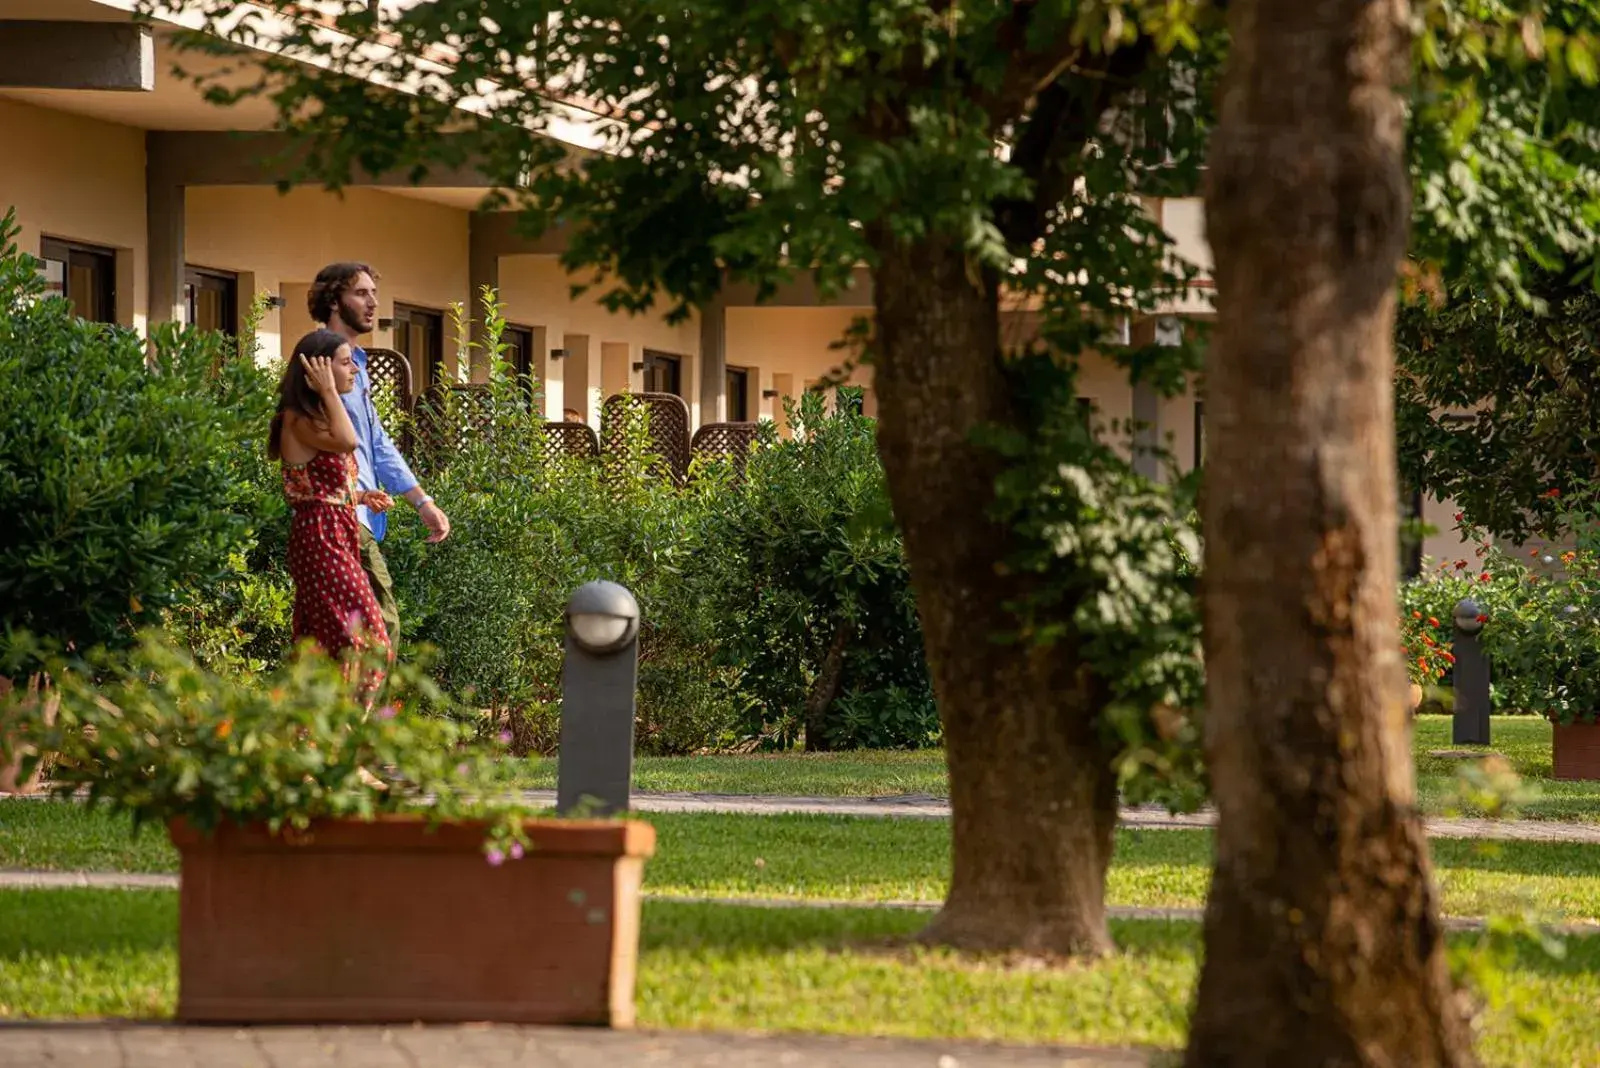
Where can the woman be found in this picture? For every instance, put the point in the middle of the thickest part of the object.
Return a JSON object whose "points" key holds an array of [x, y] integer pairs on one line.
{"points": [[313, 436]]}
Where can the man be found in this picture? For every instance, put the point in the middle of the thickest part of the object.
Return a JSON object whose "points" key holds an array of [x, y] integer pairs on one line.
{"points": [[344, 298]]}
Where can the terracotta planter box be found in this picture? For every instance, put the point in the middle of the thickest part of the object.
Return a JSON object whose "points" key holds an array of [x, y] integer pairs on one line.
{"points": [[1576, 750], [388, 922]]}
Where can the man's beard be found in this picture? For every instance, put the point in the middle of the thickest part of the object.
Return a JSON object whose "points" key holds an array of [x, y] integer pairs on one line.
{"points": [[352, 319]]}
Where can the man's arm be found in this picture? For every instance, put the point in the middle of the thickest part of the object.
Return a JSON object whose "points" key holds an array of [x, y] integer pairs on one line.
{"points": [[394, 475]]}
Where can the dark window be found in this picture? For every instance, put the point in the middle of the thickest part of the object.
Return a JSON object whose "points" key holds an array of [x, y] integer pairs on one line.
{"points": [[518, 356], [1199, 433], [663, 373], [85, 275], [212, 299], [419, 336], [736, 384]]}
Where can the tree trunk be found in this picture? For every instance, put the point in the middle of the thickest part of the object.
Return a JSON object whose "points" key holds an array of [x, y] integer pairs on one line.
{"points": [[1323, 943], [1032, 794], [825, 687]]}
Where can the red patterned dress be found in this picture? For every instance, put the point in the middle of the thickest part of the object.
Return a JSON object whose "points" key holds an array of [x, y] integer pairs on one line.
{"points": [[333, 599]]}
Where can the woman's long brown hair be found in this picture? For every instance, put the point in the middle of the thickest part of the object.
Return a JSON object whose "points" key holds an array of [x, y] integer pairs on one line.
{"points": [[294, 389]]}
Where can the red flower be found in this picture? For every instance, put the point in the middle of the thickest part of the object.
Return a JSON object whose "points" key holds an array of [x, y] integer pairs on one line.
{"points": [[1432, 622], [1483, 619], [1461, 565], [1458, 517], [1551, 492], [1484, 577], [1416, 615], [1451, 657]]}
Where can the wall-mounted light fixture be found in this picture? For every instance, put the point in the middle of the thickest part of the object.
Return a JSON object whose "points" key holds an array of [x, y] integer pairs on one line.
{"points": [[638, 366], [559, 354], [385, 324], [768, 394], [275, 301]]}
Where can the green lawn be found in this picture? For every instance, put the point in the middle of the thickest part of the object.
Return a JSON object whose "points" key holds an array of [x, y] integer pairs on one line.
{"points": [[80, 953], [1524, 740], [872, 860]]}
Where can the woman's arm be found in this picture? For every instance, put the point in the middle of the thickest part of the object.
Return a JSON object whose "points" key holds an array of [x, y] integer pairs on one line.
{"points": [[333, 432]]}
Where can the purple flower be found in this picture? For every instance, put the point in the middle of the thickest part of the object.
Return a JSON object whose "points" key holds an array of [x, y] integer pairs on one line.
{"points": [[462, 769], [495, 858], [505, 737], [516, 850], [388, 712]]}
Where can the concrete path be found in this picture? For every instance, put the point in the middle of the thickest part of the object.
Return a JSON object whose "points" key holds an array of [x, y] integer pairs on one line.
{"points": [[137, 1046], [924, 806]]}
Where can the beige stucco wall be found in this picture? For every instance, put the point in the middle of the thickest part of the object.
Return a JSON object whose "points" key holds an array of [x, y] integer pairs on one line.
{"points": [[282, 240], [788, 349], [78, 179]]}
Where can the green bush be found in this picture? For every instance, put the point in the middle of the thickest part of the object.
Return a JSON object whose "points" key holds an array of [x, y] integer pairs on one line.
{"points": [[118, 464], [1542, 631], [814, 601], [527, 529]]}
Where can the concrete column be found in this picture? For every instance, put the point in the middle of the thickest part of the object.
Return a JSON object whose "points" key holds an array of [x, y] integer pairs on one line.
{"points": [[483, 269], [165, 206], [580, 385], [617, 374], [713, 361], [549, 372]]}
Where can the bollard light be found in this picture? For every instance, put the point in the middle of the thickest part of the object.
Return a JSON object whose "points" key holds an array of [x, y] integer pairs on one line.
{"points": [[602, 617], [599, 685], [1468, 617], [1470, 723]]}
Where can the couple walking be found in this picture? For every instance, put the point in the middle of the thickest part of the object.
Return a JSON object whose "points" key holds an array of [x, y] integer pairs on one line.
{"points": [[341, 473]]}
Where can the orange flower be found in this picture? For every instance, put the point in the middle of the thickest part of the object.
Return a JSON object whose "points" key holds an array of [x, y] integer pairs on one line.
{"points": [[224, 728], [1432, 622], [1416, 615]]}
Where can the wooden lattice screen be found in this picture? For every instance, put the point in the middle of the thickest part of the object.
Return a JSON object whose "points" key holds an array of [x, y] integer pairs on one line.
{"points": [[669, 429], [729, 441], [390, 374], [571, 439]]}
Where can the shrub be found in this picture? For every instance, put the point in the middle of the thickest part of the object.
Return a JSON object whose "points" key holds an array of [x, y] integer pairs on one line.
{"points": [[117, 464], [529, 528], [814, 599], [1541, 633]]}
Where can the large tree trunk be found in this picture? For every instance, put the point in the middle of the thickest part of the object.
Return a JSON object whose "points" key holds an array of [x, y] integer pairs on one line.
{"points": [[1032, 794], [1323, 944], [825, 688]]}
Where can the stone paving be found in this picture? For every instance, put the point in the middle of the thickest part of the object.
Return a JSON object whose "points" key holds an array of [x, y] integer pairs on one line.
{"points": [[926, 806], [139, 1046]]}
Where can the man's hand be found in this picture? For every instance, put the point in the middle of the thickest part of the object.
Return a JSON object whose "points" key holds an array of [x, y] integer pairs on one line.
{"points": [[436, 521], [377, 501]]}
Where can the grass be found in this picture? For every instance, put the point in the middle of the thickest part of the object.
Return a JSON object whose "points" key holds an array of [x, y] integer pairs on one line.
{"points": [[1524, 740], [78, 953], [799, 857]]}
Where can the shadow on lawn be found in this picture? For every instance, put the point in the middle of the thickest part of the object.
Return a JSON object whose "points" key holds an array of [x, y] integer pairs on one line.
{"points": [[86, 922], [670, 925]]}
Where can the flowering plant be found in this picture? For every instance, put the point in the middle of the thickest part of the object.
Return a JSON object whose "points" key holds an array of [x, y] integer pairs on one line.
{"points": [[1540, 611], [1426, 643], [158, 737]]}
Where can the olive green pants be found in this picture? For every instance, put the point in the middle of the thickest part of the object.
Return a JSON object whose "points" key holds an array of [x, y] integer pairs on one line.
{"points": [[377, 569]]}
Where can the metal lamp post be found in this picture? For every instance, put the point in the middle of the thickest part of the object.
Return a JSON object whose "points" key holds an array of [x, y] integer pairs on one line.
{"points": [[599, 681], [1470, 724]]}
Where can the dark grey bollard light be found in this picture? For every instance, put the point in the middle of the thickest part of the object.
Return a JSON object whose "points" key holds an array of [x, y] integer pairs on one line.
{"points": [[1470, 725], [598, 685]]}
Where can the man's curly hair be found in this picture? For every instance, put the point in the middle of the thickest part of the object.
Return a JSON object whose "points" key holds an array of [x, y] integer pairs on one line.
{"points": [[330, 286]]}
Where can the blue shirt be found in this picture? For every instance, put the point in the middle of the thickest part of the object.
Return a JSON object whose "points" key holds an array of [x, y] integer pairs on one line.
{"points": [[378, 460]]}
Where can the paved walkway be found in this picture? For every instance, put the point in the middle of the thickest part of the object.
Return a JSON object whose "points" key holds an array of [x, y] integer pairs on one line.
{"points": [[925, 806], [113, 1046]]}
